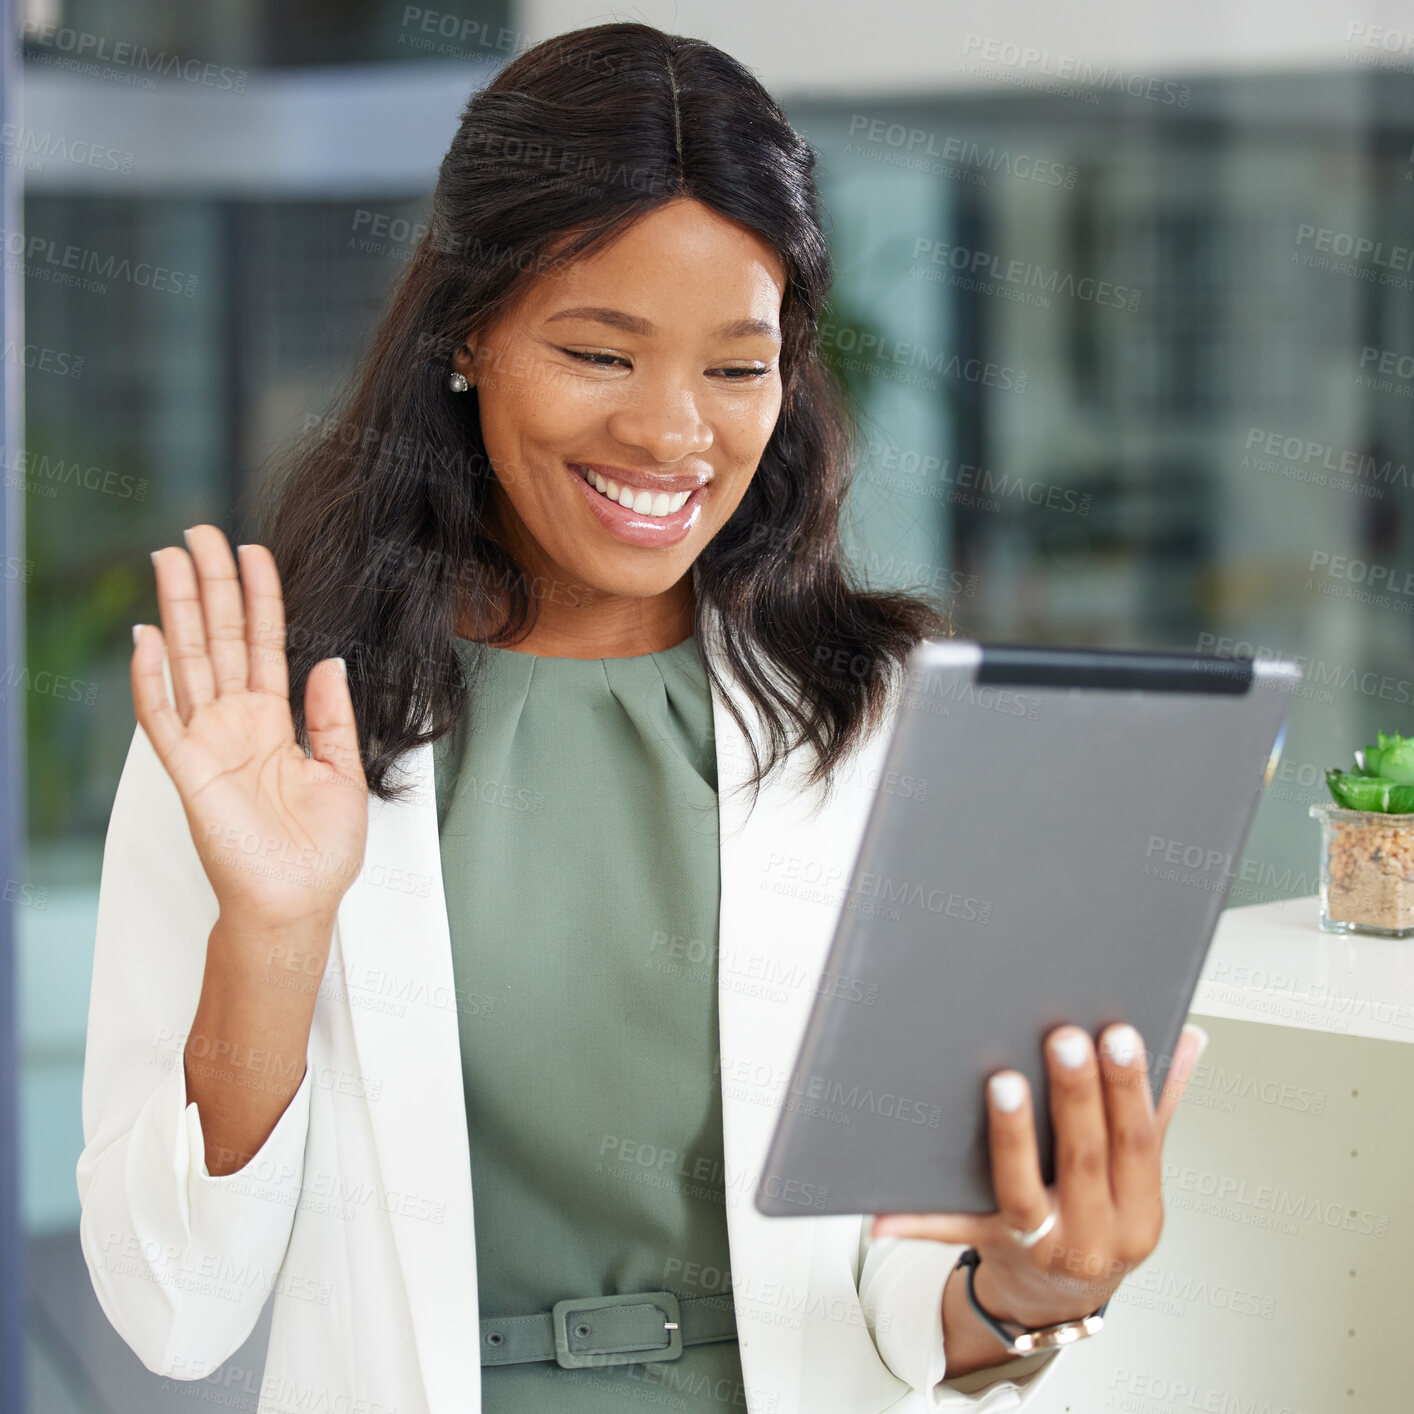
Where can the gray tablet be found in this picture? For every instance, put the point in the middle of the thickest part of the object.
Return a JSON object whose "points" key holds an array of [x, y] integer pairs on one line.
{"points": [[1086, 811]]}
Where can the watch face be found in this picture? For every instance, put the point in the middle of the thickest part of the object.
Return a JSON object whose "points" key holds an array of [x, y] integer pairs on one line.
{"points": [[1067, 1333]]}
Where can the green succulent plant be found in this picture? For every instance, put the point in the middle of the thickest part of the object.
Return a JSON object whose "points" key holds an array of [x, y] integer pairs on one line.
{"points": [[1383, 779]]}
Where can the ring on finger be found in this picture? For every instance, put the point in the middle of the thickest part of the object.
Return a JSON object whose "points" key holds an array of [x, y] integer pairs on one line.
{"points": [[1029, 1237]]}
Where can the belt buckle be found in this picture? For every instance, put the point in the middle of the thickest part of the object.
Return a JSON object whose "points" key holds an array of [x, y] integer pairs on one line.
{"points": [[568, 1314]]}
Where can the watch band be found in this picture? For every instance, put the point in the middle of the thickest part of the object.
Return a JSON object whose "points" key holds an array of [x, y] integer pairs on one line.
{"points": [[1026, 1342]]}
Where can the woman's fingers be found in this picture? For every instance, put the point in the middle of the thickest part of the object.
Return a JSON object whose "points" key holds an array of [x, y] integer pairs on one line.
{"points": [[1191, 1042], [265, 621], [183, 630], [329, 719], [223, 609], [1022, 1200], [1134, 1140], [154, 710], [1081, 1136], [1108, 1148]]}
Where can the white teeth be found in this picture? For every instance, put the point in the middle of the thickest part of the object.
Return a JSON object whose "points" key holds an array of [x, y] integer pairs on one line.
{"points": [[641, 502]]}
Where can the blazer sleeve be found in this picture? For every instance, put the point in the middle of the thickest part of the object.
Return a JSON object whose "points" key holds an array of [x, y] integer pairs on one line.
{"points": [[181, 1262], [901, 1286]]}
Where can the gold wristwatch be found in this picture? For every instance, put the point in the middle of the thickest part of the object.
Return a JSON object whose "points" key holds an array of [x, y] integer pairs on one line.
{"points": [[1027, 1342]]}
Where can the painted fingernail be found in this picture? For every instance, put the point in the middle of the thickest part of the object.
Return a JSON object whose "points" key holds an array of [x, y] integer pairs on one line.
{"points": [[1122, 1044], [343, 667], [137, 629], [186, 535], [1008, 1091], [1202, 1037], [155, 554], [1070, 1049]]}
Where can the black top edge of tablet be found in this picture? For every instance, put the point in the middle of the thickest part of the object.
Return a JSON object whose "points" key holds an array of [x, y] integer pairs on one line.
{"points": [[1024, 665]]}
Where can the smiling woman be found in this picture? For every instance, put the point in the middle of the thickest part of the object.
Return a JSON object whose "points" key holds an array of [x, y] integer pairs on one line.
{"points": [[638, 416], [624, 261], [445, 772]]}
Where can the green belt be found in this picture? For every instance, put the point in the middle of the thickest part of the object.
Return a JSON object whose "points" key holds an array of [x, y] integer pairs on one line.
{"points": [[609, 1330]]}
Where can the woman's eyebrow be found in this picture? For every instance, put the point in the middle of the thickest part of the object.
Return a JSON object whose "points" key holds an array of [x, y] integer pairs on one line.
{"points": [[634, 324]]}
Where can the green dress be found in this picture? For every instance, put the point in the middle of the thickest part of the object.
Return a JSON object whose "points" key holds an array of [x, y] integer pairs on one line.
{"points": [[577, 806]]}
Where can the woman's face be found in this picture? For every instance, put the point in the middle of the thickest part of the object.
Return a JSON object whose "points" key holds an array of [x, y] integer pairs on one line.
{"points": [[653, 364]]}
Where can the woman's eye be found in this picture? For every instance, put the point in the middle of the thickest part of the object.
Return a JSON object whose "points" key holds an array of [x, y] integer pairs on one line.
{"points": [[603, 360], [595, 358]]}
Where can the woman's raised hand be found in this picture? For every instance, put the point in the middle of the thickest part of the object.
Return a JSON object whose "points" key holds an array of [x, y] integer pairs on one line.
{"points": [[281, 835]]}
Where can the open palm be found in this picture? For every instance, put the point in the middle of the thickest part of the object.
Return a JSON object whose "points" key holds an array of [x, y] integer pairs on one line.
{"points": [[281, 834]]}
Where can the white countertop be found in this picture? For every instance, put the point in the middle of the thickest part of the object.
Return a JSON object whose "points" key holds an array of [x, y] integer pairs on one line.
{"points": [[1270, 962]]}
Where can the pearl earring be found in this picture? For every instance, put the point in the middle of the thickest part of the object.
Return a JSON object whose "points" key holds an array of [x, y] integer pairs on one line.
{"points": [[457, 382]]}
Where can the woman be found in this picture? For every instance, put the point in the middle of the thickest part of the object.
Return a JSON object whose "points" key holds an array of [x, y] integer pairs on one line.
{"points": [[452, 778]]}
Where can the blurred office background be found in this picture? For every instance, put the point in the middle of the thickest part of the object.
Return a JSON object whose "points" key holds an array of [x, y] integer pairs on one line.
{"points": [[1153, 267]]}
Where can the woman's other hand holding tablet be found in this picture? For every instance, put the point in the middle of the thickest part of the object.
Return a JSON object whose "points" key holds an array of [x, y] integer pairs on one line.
{"points": [[1102, 1216]]}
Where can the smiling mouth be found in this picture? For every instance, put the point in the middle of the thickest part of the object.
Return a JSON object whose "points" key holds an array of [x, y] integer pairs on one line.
{"points": [[645, 503]]}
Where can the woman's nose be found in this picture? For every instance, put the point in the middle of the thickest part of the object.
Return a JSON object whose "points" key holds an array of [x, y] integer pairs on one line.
{"points": [[665, 422]]}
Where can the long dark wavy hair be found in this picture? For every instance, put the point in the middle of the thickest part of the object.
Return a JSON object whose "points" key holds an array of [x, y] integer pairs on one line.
{"points": [[380, 519]]}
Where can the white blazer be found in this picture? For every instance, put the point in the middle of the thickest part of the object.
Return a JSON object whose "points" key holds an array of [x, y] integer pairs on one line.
{"points": [[356, 1214]]}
